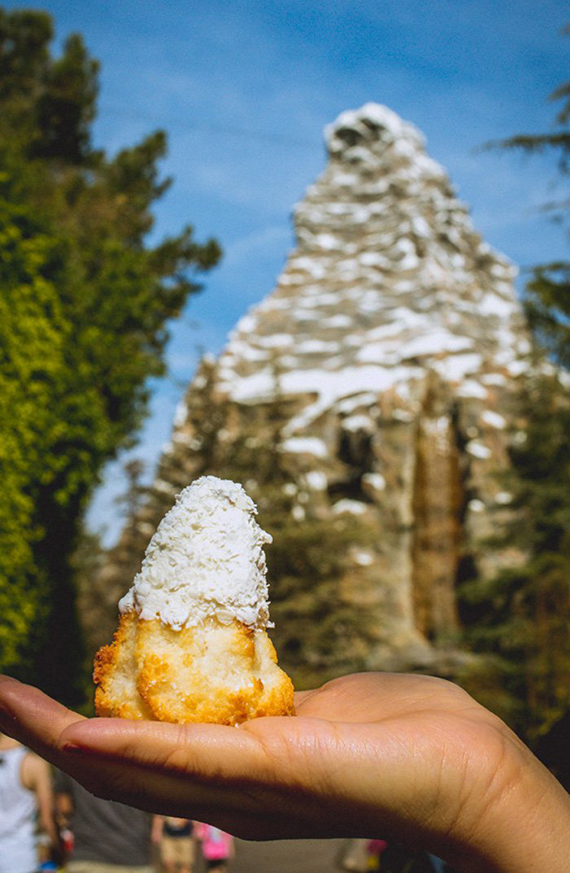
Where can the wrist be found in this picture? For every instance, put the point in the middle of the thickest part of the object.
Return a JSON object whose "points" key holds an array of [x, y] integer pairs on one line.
{"points": [[523, 823]]}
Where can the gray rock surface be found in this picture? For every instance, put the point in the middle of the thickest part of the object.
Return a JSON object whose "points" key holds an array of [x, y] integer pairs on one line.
{"points": [[393, 344]]}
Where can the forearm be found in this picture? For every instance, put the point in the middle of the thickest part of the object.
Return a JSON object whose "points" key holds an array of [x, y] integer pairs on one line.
{"points": [[48, 826], [46, 812], [37, 777]]}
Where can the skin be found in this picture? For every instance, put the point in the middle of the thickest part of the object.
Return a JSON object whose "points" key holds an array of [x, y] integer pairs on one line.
{"points": [[35, 776], [63, 808], [402, 757]]}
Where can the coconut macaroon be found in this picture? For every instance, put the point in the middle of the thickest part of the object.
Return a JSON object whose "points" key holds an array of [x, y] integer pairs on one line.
{"points": [[192, 644]]}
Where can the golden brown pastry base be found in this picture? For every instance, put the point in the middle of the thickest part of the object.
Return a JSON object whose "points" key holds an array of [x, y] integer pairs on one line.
{"points": [[209, 673]]}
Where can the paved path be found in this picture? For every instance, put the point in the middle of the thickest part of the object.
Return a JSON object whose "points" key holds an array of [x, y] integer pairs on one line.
{"points": [[287, 856], [284, 856]]}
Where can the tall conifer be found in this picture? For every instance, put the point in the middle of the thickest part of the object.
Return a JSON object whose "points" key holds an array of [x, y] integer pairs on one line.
{"points": [[85, 302]]}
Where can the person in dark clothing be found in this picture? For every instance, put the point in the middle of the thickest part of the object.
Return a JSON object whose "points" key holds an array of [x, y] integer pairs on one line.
{"points": [[108, 837], [403, 859], [175, 842]]}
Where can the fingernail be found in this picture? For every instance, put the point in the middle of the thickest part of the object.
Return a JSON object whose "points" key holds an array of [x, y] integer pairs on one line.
{"points": [[74, 749]]}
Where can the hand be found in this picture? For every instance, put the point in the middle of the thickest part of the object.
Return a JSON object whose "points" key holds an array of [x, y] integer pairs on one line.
{"points": [[409, 758]]}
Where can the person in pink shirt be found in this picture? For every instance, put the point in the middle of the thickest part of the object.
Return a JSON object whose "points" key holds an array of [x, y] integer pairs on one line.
{"points": [[217, 846]]}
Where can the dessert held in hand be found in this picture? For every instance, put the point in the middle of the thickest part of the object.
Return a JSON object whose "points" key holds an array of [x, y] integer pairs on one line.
{"points": [[192, 644]]}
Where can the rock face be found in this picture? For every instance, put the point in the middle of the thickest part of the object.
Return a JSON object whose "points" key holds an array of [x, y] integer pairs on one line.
{"points": [[391, 349]]}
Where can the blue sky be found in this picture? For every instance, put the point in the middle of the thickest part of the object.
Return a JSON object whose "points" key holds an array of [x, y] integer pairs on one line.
{"points": [[244, 89]]}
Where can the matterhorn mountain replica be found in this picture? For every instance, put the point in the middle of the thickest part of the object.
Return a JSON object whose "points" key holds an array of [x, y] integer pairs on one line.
{"points": [[366, 404]]}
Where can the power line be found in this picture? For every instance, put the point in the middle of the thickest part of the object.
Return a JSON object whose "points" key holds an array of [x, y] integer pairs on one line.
{"points": [[257, 135]]}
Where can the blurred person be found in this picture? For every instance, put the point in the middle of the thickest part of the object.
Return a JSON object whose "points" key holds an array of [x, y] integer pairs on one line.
{"points": [[374, 852], [175, 842], [406, 859], [108, 837], [438, 865], [412, 757], [217, 846], [360, 856], [354, 856], [26, 805]]}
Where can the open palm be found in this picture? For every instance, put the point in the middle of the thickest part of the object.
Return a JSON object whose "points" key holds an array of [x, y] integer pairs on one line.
{"points": [[376, 755]]}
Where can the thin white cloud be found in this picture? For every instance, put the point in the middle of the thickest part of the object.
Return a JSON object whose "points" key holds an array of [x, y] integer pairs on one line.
{"points": [[240, 251]]}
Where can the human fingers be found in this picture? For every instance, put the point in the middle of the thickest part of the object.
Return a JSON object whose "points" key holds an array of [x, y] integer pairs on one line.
{"points": [[243, 781], [33, 718], [203, 751], [60, 735], [209, 772], [39, 722]]}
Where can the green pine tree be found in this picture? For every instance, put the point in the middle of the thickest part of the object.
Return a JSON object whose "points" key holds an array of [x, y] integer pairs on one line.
{"points": [[522, 616], [86, 303]]}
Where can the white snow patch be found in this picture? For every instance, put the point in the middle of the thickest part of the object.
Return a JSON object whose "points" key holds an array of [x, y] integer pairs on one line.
{"points": [[183, 438], [249, 353], [326, 241], [246, 324], [503, 498], [181, 412], [493, 379], [258, 386], [272, 303], [517, 368], [316, 480], [331, 387], [314, 346], [478, 450], [375, 480], [276, 340], [362, 558], [471, 388], [337, 321], [492, 304], [373, 259], [454, 368], [305, 445], [493, 419], [353, 506], [403, 415], [354, 423], [420, 226], [349, 404], [163, 486], [435, 342]]}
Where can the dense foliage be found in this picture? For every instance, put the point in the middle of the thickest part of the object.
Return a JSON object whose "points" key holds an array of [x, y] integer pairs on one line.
{"points": [[84, 307], [522, 616]]}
